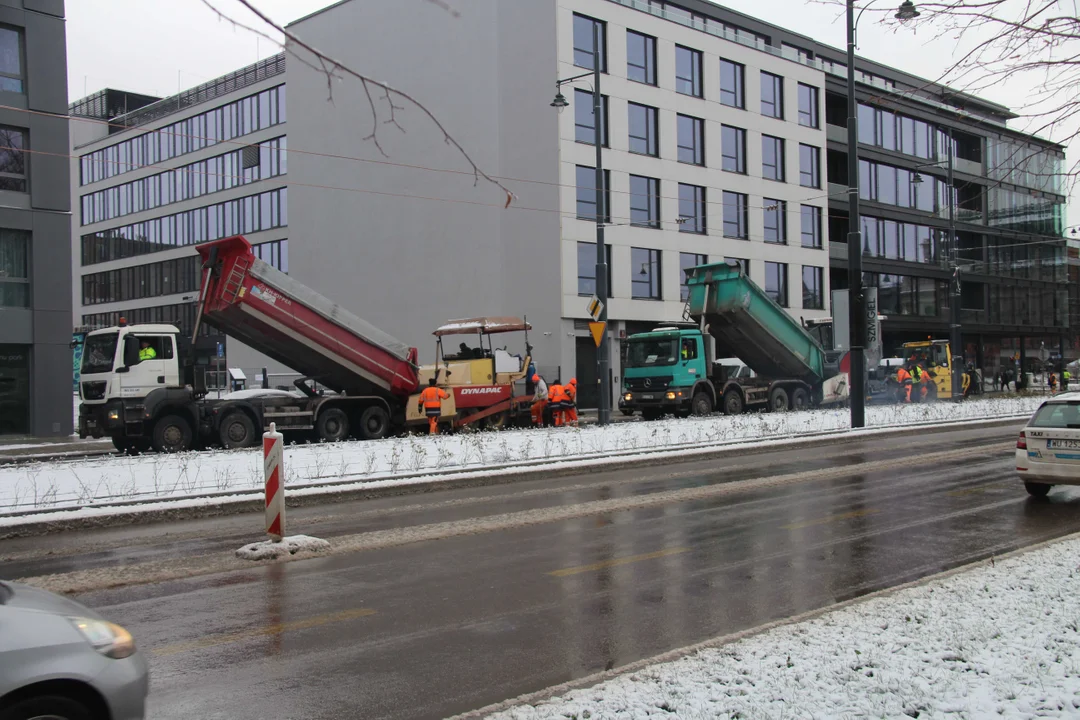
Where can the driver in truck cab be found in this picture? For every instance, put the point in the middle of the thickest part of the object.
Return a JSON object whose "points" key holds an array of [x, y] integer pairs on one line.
{"points": [[430, 404], [145, 351]]}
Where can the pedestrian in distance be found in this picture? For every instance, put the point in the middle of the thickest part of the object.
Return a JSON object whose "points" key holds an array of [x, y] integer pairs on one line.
{"points": [[430, 403], [1066, 376], [540, 400], [1051, 380]]}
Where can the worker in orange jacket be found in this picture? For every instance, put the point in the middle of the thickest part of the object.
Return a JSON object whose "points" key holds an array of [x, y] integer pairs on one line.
{"points": [[559, 400], [540, 399], [571, 411], [430, 404], [903, 377]]}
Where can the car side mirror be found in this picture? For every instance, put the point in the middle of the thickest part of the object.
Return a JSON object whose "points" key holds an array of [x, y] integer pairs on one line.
{"points": [[131, 350]]}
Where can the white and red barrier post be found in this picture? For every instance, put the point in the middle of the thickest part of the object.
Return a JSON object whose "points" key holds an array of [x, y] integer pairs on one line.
{"points": [[274, 472]]}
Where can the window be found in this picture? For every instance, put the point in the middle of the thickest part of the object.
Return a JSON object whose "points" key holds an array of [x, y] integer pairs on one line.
{"points": [[733, 148], [735, 210], [583, 42], [640, 58], [644, 201], [776, 282], [586, 194], [812, 296], [732, 81], [687, 261], [772, 158], [810, 217], [645, 281], [11, 65], [691, 141], [584, 130], [688, 348], [12, 159], [809, 166], [691, 209], [14, 268], [772, 95], [687, 71], [775, 212], [808, 105], [586, 268], [643, 135]]}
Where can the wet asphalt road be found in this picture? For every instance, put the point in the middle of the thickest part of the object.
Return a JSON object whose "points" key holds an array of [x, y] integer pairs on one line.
{"points": [[433, 628]]}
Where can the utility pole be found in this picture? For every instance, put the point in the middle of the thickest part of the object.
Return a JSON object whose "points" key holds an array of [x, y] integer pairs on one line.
{"points": [[603, 349], [856, 311], [956, 339]]}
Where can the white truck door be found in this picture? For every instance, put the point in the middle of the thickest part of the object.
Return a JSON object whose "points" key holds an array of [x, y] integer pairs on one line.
{"points": [[155, 355]]}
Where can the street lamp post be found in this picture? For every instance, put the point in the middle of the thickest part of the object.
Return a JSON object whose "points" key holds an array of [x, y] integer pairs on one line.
{"points": [[603, 361], [856, 292]]}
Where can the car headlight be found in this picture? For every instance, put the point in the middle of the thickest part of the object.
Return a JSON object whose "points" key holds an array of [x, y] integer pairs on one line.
{"points": [[628, 397], [107, 638], [671, 395]]}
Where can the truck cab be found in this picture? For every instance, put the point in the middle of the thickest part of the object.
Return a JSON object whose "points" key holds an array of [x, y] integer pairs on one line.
{"points": [[667, 371]]}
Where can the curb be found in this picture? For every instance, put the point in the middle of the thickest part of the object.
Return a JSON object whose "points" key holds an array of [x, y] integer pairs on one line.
{"points": [[538, 697], [352, 489]]}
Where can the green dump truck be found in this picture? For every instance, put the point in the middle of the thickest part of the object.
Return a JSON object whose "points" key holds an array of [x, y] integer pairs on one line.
{"points": [[674, 369]]}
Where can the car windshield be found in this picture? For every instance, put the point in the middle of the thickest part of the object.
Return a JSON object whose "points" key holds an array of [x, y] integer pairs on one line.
{"points": [[1057, 415], [98, 353], [651, 352]]}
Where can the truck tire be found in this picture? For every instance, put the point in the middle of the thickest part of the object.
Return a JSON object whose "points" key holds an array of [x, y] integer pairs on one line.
{"points": [[628, 412], [172, 433], [702, 403], [733, 402], [332, 425], [800, 399], [652, 413], [778, 400], [374, 423], [236, 431], [121, 443]]}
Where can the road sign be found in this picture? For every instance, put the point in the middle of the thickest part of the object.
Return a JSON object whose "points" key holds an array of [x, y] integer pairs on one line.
{"points": [[595, 307], [597, 330], [220, 350]]}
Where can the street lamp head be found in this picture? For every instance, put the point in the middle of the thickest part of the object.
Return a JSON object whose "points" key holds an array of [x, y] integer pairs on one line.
{"points": [[917, 178], [560, 101], [907, 11]]}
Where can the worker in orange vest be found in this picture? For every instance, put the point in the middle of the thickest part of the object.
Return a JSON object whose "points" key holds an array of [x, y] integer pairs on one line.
{"points": [[540, 399], [559, 401], [571, 411], [430, 404], [903, 377]]}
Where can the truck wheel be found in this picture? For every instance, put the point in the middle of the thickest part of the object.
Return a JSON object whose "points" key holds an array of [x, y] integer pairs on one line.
{"points": [[733, 402], [628, 412], [172, 433], [121, 443], [374, 423], [236, 431], [800, 399], [778, 400], [1038, 490], [332, 425], [652, 413], [702, 403]]}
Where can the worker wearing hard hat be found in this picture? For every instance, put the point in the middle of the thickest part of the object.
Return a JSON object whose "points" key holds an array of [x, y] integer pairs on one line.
{"points": [[430, 403], [571, 410], [540, 399], [559, 400], [903, 377]]}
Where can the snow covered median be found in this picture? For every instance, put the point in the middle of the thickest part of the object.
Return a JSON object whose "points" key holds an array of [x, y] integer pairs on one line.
{"points": [[995, 641], [94, 481]]}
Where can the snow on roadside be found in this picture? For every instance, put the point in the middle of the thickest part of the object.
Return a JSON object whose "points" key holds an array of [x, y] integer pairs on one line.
{"points": [[995, 641], [79, 483], [291, 545]]}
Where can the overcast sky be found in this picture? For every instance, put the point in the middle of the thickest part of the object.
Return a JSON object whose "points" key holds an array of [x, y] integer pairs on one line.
{"points": [[159, 47]]}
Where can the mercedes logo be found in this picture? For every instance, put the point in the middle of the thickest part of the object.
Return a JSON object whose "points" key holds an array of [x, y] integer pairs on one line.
{"points": [[648, 382]]}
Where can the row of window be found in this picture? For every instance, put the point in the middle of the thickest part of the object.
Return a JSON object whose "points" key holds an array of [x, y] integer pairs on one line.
{"points": [[641, 67], [908, 295], [14, 267], [693, 209], [223, 172], [892, 131], [238, 118], [250, 214], [181, 315], [892, 185], [903, 241], [1021, 211], [645, 275], [181, 275]]}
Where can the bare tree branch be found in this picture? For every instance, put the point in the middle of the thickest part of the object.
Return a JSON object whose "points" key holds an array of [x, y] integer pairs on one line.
{"points": [[335, 69]]}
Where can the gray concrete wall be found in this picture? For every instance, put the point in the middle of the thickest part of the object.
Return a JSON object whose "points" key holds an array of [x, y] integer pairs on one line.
{"points": [[408, 248], [44, 211]]}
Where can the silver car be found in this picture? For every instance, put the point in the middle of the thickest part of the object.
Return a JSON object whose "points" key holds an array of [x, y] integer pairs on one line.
{"points": [[61, 661]]}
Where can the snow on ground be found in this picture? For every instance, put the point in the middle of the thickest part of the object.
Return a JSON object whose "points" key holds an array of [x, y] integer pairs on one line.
{"points": [[291, 545], [1000, 640], [83, 482]]}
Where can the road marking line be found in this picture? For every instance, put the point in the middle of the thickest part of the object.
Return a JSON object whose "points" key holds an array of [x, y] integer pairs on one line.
{"points": [[267, 631], [978, 489], [617, 562], [831, 518]]}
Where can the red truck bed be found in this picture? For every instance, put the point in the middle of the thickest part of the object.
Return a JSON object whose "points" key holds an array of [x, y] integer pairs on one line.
{"points": [[269, 311]]}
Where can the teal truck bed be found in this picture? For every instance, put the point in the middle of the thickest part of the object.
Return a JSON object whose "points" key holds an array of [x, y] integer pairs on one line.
{"points": [[752, 327]]}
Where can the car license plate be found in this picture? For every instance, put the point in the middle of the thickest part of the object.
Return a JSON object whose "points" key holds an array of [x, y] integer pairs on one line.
{"points": [[647, 397], [1063, 444]]}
